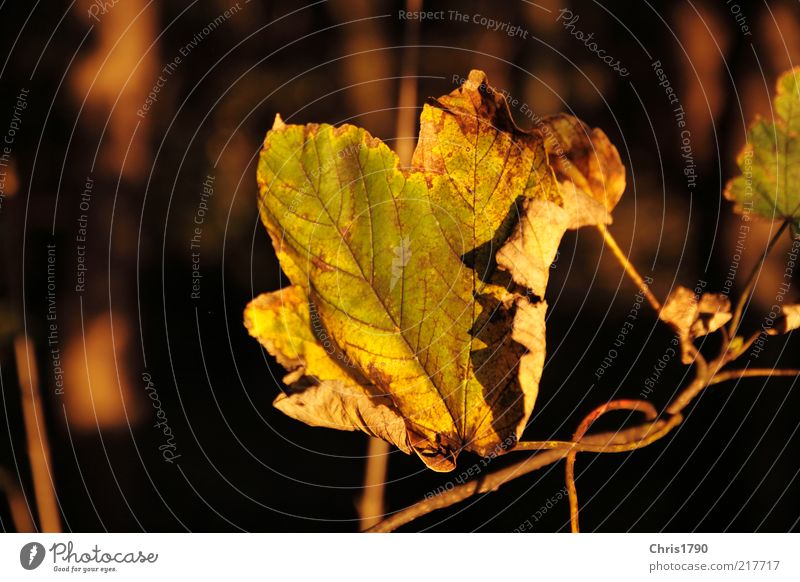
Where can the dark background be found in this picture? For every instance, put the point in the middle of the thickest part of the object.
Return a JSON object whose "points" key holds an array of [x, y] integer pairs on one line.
{"points": [[731, 466]]}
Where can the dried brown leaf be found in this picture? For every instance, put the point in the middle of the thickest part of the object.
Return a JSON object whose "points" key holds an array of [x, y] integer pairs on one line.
{"points": [[323, 389], [589, 170], [692, 317], [530, 251], [788, 320]]}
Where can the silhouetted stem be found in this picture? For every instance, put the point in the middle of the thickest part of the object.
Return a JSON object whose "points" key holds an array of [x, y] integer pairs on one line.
{"points": [[38, 443]]}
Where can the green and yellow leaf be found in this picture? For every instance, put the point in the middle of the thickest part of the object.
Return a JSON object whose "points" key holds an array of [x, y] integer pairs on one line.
{"points": [[324, 390], [427, 281], [769, 184]]}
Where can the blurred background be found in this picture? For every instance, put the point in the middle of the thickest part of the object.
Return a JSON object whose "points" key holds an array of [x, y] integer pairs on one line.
{"points": [[131, 243]]}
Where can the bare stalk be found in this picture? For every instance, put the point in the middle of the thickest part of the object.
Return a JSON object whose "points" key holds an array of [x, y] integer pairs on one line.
{"points": [[702, 376], [407, 99], [629, 268], [371, 504], [751, 373], [38, 443], [750, 284], [637, 405], [20, 511]]}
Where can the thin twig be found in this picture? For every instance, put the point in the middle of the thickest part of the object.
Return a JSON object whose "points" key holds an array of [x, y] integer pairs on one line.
{"points": [[631, 438], [585, 447], [38, 443], [751, 373], [703, 373], [371, 504], [407, 99], [744, 298], [629, 268], [633, 405], [749, 342]]}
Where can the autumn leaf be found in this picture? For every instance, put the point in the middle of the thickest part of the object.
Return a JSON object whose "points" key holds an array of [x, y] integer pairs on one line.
{"points": [[590, 173], [692, 317], [484, 172], [770, 161], [323, 387], [426, 282]]}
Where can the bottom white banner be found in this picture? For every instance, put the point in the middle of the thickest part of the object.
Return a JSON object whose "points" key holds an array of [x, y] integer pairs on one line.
{"points": [[335, 557]]}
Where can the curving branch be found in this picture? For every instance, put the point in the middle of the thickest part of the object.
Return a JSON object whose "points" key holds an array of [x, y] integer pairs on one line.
{"points": [[624, 440], [633, 405]]}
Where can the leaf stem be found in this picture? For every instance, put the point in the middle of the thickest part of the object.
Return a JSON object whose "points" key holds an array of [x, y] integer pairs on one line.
{"points": [[584, 446], [371, 504], [701, 379], [751, 373], [750, 284], [628, 266]]}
